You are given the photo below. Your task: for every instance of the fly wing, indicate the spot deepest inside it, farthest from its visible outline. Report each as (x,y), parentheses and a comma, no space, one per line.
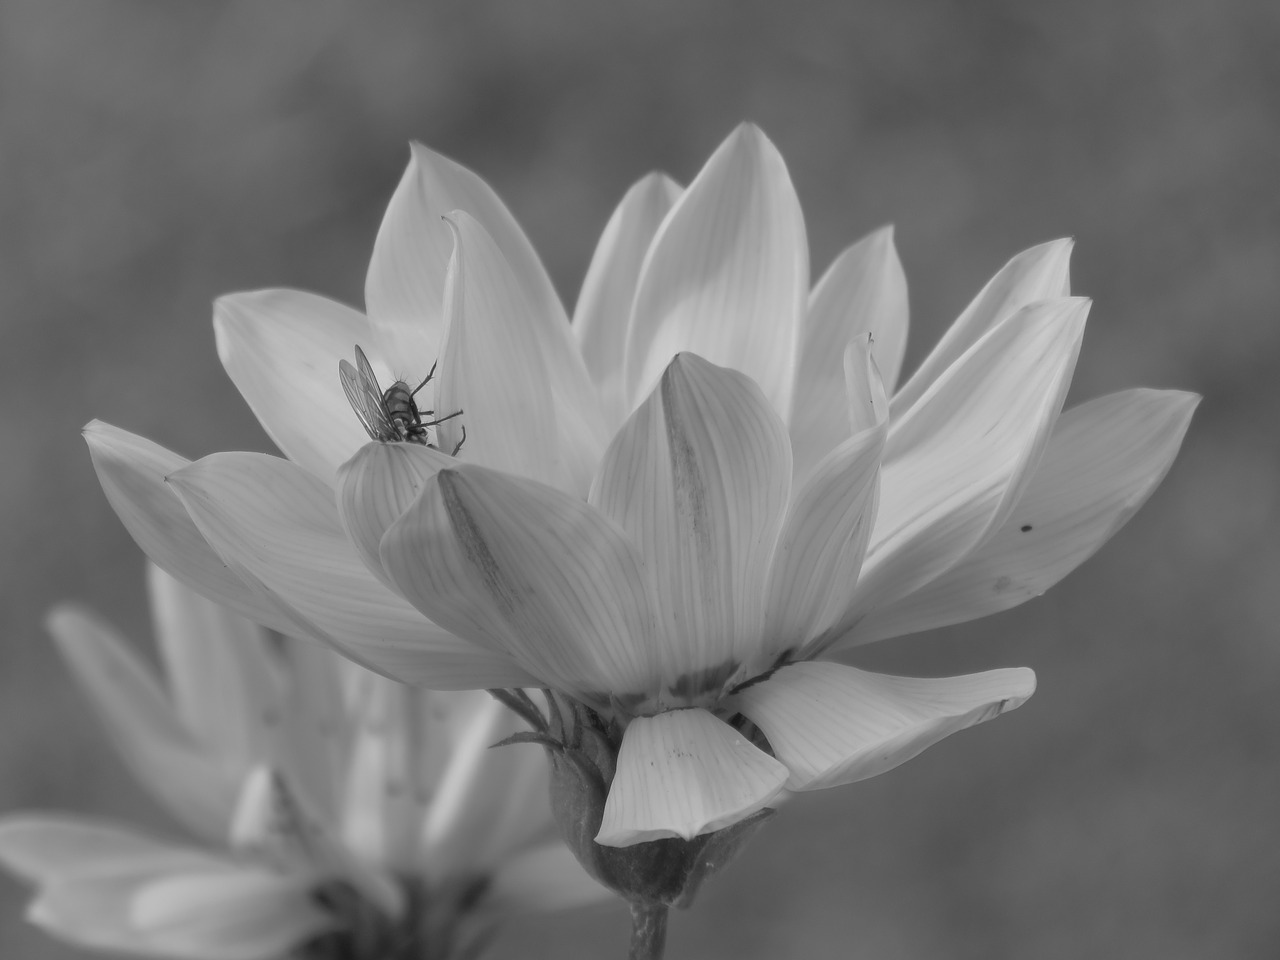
(357,397)
(367,376)
(365,396)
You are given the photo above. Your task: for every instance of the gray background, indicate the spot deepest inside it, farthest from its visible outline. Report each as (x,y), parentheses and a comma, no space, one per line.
(156,154)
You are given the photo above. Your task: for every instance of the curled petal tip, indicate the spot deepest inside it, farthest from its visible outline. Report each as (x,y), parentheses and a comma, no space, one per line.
(457,220)
(98,432)
(1025,687)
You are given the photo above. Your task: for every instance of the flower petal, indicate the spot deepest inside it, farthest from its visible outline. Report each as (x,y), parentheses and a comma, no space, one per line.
(863,293)
(315,734)
(957,461)
(488,803)
(132,470)
(682,774)
(404,290)
(525,568)
(405,294)
(277,523)
(383,799)
(42,847)
(281,349)
(545,878)
(243,913)
(833,724)
(1104,459)
(828,525)
(92,909)
(604,304)
(402,739)
(225,684)
(92,913)
(379,484)
(699,477)
(491,367)
(195,785)
(1039,273)
(727,275)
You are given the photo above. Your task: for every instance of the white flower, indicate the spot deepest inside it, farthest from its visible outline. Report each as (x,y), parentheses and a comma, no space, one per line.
(309,787)
(676,509)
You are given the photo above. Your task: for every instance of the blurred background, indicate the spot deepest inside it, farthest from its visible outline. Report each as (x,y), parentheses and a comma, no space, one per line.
(156,154)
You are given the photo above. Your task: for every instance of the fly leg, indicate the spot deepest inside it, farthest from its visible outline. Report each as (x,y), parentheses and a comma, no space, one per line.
(430,373)
(438,420)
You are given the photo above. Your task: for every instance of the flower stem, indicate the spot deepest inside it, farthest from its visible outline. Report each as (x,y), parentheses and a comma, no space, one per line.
(648,931)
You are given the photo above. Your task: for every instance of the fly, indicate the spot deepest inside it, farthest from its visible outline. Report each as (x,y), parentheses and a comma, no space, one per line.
(391,415)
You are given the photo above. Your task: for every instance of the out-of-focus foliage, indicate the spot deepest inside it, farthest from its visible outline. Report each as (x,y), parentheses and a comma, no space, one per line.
(156,153)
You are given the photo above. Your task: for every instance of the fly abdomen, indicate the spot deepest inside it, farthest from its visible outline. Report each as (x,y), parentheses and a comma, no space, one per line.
(399,403)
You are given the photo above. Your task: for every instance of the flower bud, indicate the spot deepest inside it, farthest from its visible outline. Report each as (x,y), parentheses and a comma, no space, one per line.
(667,871)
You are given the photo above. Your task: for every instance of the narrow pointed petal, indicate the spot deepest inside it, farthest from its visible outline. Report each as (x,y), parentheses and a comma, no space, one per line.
(682,774)
(727,275)
(829,524)
(391,772)
(281,349)
(242,913)
(863,294)
(404,290)
(699,477)
(225,684)
(482,811)
(833,724)
(267,824)
(492,367)
(132,470)
(198,789)
(277,523)
(1104,459)
(958,461)
(1040,273)
(522,567)
(545,878)
(376,486)
(604,304)
(366,824)
(41,847)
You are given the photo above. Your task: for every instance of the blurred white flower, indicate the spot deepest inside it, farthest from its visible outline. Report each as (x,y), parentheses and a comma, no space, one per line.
(676,508)
(324,802)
